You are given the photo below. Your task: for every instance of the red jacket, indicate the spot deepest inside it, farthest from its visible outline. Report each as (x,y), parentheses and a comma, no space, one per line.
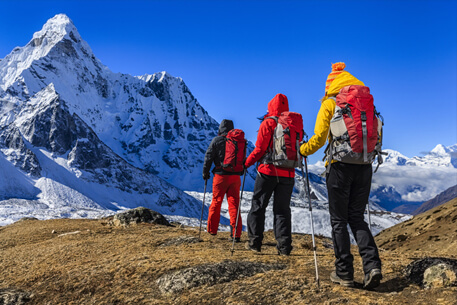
(276,106)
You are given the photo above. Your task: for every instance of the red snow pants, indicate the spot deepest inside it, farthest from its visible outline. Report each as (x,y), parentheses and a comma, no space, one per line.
(222,185)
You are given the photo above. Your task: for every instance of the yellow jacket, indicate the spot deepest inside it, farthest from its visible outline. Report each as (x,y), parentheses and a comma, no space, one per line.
(325,114)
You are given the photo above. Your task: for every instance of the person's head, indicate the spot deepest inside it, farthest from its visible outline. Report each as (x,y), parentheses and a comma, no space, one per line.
(338,79)
(225,127)
(337,68)
(278,105)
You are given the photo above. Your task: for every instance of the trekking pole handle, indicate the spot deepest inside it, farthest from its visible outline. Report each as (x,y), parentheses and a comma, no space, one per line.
(308,190)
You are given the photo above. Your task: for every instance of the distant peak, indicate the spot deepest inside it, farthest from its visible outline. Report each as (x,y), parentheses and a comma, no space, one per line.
(54,30)
(59,19)
(440,149)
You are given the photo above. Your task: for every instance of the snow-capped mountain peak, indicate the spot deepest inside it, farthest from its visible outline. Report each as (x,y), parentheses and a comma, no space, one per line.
(55,42)
(55,30)
(395,157)
(440,149)
(152,121)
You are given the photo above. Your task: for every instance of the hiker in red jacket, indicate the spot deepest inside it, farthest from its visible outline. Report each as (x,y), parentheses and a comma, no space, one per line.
(270,179)
(224,183)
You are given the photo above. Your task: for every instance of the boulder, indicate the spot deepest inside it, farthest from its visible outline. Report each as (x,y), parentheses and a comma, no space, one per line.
(9,296)
(211,274)
(139,215)
(432,272)
(441,275)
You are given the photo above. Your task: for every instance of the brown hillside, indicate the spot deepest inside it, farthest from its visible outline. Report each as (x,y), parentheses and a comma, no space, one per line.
(433,233)
(100,264)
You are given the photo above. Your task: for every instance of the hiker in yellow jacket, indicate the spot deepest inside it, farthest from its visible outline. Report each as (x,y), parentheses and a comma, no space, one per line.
(348,187)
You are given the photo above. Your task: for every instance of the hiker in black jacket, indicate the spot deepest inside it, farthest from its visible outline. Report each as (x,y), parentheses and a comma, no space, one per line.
(224,182)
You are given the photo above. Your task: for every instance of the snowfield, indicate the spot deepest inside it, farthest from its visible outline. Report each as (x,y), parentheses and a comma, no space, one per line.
(301,222)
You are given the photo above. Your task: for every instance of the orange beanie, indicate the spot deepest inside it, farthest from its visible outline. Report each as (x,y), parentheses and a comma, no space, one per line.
(337,68)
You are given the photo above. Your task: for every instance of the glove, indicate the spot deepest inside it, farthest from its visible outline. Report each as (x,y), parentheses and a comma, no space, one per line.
(301,144)
(206,176)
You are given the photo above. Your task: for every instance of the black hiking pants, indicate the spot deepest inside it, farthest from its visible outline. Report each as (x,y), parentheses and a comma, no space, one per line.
(348,188)
(264,187)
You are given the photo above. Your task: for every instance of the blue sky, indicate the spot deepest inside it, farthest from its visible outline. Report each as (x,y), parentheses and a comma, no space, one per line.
(236,55)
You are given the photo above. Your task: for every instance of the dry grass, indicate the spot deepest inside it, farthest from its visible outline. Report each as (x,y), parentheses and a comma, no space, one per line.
(115,265)
(433,233)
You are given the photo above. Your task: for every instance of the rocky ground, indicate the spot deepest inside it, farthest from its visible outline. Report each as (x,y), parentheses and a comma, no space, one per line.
(69,261)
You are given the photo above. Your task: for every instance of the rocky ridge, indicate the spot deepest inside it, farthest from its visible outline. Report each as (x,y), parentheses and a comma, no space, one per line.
(441,198)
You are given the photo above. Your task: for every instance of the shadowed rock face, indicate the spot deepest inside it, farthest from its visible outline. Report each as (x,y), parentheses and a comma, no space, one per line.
(225,271)
(139,215)
(428,271)
(19,155)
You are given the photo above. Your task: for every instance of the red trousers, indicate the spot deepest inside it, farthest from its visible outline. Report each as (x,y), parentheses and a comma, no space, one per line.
(230,185)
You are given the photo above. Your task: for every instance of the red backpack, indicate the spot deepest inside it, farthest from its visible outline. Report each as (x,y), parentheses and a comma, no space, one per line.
(235,151)
(355,128)
(287,136)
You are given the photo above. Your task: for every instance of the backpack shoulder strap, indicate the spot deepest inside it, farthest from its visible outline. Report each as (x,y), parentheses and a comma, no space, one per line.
(272,117)
(267,156)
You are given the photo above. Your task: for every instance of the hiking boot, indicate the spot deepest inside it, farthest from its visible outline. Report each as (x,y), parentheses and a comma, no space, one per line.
(336,279)
(252,248)
(372,279)
(284,252)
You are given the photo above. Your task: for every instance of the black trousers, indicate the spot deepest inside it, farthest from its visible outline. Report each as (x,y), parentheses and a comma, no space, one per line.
(264,188)
(348,188)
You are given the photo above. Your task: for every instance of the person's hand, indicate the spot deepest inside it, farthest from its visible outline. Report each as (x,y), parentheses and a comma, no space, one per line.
(245,167)
(299,148)
(206,176)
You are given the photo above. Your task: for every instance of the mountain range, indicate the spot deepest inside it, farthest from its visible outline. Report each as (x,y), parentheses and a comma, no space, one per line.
(402,184)
(78,140)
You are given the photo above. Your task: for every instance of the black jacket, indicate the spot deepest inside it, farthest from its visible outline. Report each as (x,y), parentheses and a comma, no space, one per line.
(216,151)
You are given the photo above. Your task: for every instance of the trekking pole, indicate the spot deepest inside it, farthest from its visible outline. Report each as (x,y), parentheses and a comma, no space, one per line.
(201,217)
(238,213)
(311,215)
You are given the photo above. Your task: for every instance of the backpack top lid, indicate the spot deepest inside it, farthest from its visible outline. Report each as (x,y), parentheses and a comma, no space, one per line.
(236,134)
(357,96)
(355,90)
